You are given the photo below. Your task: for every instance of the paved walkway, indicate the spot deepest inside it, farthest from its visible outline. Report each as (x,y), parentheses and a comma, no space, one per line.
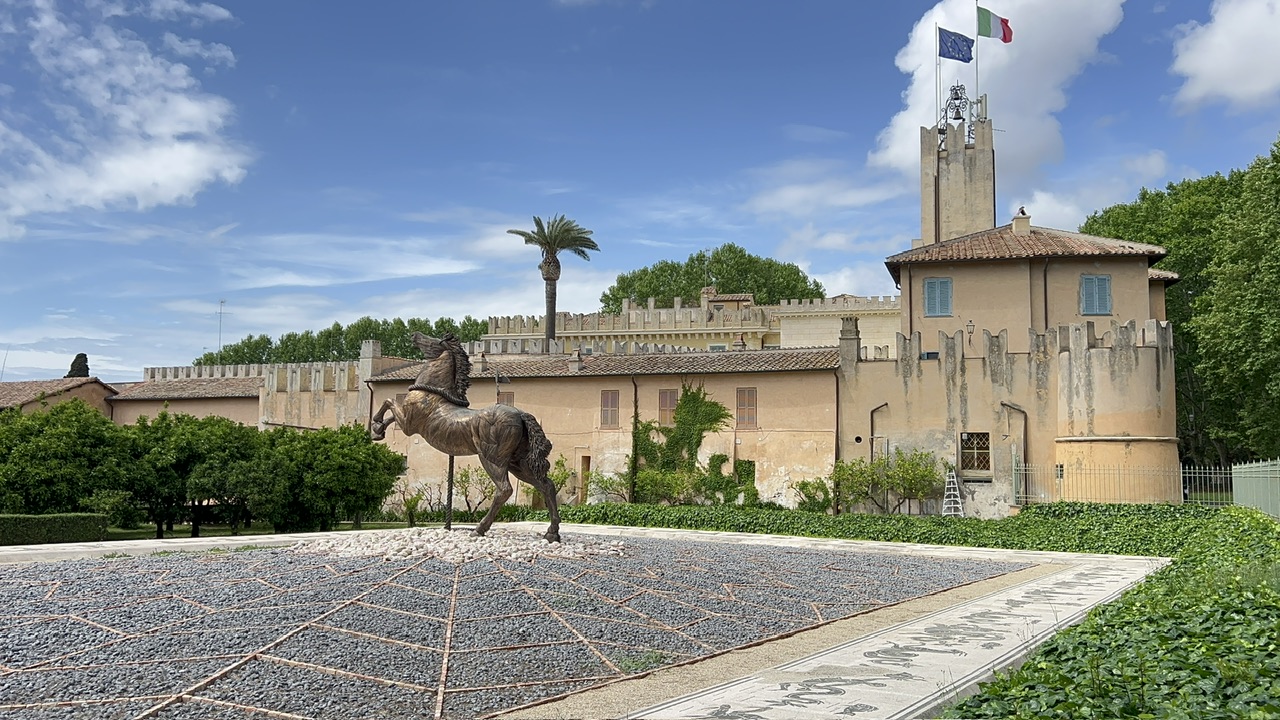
(903,661)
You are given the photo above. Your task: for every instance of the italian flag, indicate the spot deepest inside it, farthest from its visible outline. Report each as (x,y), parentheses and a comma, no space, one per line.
(992,25)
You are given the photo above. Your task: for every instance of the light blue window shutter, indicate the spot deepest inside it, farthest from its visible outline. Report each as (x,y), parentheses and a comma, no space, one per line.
(931,296)
(1104,294)
(1088,295)
(944,296)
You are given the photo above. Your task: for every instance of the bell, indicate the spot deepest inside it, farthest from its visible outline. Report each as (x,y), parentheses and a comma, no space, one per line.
(955,113)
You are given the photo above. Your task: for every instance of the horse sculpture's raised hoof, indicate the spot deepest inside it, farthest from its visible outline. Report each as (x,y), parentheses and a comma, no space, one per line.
(552,537)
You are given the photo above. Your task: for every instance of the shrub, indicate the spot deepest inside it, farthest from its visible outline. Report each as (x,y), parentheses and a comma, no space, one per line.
(59,528)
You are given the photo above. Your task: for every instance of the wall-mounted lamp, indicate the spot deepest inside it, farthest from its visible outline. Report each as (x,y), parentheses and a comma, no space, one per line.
(969,329)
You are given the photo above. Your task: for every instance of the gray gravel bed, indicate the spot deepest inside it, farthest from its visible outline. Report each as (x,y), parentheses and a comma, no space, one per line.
(426,582)
(389,624)
(142,616)
(494,604)
(237,641)
(105,682)
(96,711)
(195,710)
(473,703)
(522,630)
(588,604)
(641,636)
(49,639)
(776,592)
(479,668)
(666,610)
(363,656)
(414,601)
(270,616)
(272,686)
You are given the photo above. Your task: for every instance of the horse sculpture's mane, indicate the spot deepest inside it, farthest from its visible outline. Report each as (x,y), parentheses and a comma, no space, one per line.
(461,364)
(457,394)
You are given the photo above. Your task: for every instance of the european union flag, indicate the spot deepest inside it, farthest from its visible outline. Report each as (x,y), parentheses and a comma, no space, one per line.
(954,46)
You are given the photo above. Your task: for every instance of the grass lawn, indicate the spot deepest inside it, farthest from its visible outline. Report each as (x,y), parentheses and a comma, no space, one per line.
(148,532)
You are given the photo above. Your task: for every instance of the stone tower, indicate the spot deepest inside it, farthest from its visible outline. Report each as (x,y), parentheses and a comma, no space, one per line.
(957,171)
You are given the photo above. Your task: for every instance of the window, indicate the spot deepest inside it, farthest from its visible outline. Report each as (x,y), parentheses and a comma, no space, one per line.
(746,408)
(667,406)
(1095,294)
(608,408)
(937,297)
(975,451)
(507,398)
(717,348)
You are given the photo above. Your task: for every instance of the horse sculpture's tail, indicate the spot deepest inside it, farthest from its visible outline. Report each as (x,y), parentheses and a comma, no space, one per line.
(539,446)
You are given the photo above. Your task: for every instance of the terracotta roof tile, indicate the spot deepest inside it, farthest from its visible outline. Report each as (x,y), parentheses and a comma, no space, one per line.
(514,366)
(1002,244)
(1168,276)
(193,388)
(732,297)
(21,392)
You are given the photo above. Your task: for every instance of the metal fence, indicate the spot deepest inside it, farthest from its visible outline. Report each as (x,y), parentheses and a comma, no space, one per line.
(1255,484)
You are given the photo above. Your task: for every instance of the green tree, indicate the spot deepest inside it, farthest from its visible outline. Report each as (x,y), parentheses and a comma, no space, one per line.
(338,342)
(1182,218)
(557,235)
(1236,320)
(317,477)
(729,268)
(79,366)
(228,468)
(168,448)
(54,459)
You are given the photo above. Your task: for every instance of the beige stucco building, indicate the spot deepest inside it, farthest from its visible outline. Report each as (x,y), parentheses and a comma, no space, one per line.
(1024,356)
(31,395)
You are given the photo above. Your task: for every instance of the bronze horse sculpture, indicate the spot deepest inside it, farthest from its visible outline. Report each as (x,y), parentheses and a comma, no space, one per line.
(507,439)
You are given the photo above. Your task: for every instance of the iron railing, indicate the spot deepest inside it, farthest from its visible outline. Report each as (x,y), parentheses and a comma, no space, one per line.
(1252,484)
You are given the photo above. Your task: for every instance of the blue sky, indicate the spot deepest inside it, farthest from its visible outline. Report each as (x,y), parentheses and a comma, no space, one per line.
(316,161)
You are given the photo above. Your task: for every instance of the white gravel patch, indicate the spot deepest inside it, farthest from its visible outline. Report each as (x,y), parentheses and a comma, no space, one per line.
(457,546)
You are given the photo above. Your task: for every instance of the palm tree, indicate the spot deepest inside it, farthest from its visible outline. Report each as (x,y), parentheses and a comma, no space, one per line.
(557,234)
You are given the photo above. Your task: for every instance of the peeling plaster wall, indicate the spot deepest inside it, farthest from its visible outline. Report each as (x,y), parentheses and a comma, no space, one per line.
(1044,407)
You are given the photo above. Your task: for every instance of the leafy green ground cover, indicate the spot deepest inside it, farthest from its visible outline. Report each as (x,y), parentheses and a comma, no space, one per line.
(1199,639)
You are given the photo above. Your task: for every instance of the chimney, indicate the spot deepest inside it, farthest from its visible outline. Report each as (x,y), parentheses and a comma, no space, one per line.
(481,364)
(1022,222)
(575,360)
(740,344)
(850,341)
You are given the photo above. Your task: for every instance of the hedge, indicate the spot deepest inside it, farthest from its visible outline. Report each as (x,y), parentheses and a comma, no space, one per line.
(60,528)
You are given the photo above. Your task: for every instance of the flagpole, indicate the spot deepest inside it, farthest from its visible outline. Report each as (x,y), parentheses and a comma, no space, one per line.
(977,87)
(937,74)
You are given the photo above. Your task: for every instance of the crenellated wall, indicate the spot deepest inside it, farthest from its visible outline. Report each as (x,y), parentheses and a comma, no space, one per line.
(1074,399)
(791,323)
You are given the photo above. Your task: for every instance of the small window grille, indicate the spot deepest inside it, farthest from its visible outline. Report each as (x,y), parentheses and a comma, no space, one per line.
(975,451)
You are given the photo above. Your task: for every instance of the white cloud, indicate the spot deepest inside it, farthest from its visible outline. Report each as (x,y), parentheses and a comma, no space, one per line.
(804,187)
(865,278)
(1110,181)
(808,238)
(1234,58)
(216,53)
(197,11)
(1026,80)
(320,260)
(129,129)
